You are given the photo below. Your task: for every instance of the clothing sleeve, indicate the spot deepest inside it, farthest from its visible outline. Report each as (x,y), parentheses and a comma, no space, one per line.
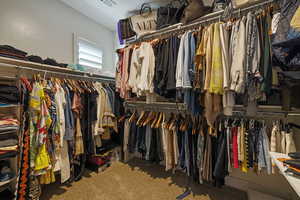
(208,56)
(225,56)
(132,76)
(185,75)
(146,55)
(237,68)
(63,97)
(192,69)
(257,54)
(151,69)
(179,64)
(142,80)
(198,52)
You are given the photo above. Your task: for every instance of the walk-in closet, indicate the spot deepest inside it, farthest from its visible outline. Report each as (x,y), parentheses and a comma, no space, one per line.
(151,100)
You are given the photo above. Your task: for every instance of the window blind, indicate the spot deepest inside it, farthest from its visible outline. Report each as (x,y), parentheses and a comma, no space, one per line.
(89,55)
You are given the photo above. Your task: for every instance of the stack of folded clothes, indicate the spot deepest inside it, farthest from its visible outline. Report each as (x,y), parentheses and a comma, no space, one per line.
(36,59)
(8,137)
(9,94)
(50,61)
(5,171)
(293,164)
(47,61)
(12,52)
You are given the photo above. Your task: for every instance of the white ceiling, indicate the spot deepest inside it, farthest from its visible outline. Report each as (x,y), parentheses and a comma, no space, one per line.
(109,16)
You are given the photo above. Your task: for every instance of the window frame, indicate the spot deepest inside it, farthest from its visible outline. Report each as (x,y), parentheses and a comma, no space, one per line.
(76,40)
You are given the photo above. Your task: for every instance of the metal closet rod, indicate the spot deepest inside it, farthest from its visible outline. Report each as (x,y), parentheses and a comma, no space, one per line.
(100,78)
(156,106)
(202,20)
(273,114)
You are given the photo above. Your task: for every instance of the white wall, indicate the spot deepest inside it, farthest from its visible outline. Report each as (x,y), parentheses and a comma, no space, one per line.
(46,27)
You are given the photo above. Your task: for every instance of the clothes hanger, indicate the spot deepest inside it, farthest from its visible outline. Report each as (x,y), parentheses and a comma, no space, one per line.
(168,121)
(87,86)
(77,85)
(159,121)
(69,84)
(187,122)
(133,117)
(171,122)
(172,125)
(149,118)
(122,118)
(87,89)
(73,84)
(196,125)
(140,120)
(181,124)
(145,118)
(140,117)
(155,120)
(93,87)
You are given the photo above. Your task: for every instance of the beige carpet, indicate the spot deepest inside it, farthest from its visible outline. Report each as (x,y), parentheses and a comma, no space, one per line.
(136,180)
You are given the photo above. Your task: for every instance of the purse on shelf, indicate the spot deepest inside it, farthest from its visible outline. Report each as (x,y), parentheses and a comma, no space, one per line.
(145,22)
(125,29)
(194,10)
(170,14)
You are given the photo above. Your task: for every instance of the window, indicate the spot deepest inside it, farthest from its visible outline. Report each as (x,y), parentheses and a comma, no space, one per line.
(88,55)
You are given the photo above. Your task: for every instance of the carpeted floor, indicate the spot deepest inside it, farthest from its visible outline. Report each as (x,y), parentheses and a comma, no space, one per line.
(137,180)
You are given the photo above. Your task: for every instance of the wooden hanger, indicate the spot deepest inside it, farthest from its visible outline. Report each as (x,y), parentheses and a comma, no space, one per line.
(173,123)
(155,120)
(144,118)
(182,124)
(159,121)
(133,117)
(154,42)
(83,86)
(77,85)
(67,83)
(149,118)
(167,122)
(140,119)
(185,123)
(122,118)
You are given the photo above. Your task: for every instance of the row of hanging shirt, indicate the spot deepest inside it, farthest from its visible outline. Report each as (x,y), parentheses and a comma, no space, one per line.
(67,119)
(189,144)
(281,140)
(205,68)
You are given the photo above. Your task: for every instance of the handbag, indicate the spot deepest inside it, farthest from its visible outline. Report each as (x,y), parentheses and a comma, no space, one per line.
(169,14)
(145,22)
(194,10)
(125,29)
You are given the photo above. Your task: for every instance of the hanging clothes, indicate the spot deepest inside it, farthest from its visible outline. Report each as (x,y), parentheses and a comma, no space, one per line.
(216,77)
(142,70)
(239,53)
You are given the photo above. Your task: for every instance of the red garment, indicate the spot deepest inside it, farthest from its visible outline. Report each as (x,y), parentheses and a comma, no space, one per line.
(235,151)
(26,83)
